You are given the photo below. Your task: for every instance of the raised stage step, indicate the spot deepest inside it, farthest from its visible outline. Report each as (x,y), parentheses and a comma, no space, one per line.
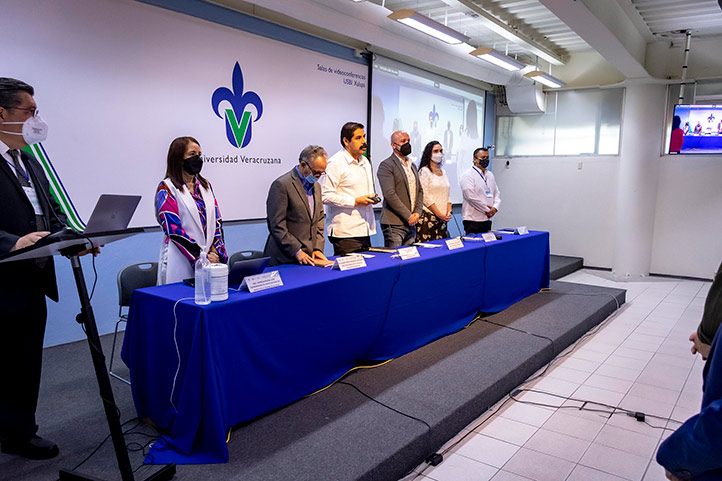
(560,266)
(337,434)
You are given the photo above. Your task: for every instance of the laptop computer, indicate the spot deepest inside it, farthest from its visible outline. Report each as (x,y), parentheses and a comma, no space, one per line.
(112,212)
(250,267)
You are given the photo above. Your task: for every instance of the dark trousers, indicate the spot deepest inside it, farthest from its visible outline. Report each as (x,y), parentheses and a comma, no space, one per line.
(21,356)
(474,227)
(349,245)
(398,235)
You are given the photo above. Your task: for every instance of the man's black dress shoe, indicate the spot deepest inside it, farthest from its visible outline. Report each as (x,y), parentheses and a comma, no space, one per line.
(33,448)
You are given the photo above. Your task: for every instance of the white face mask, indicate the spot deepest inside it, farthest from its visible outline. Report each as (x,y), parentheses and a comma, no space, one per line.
(35,130)
(437,157)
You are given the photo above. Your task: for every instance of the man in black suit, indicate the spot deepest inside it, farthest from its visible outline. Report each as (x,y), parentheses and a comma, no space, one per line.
(403,195)
(28,213)
(294,212)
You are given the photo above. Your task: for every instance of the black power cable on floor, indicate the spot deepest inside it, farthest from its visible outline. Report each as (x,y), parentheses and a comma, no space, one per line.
(100,445)
(428,426)
(612,410)
(561,355)
(432,460)
(127,432)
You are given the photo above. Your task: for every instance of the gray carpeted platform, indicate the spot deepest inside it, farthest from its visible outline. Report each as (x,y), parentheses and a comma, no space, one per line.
(560,266)
(338,434)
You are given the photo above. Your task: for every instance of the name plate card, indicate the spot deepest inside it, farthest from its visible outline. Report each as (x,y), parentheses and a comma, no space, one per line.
(454,243)
(408,252)
(521,230)
(349,262)
(261,282)
(488,236)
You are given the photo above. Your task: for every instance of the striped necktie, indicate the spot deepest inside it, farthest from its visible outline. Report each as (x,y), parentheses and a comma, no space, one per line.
(24,179)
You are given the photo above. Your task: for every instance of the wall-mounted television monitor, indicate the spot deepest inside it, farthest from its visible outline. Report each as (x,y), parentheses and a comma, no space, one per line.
(698,130)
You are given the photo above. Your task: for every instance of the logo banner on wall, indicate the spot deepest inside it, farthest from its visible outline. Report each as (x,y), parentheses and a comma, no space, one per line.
(57,189)
(117,100)
(238,134)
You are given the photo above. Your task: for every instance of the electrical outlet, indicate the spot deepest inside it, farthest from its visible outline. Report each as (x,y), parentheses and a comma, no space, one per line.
(580,164)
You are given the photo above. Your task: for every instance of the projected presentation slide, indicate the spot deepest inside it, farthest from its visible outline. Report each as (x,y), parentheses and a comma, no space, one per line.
(428,107)
(702,128)
(115,94)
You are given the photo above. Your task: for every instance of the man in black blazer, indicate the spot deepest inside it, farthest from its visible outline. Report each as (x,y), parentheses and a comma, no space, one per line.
(294,212)
(403,195)
(27,214)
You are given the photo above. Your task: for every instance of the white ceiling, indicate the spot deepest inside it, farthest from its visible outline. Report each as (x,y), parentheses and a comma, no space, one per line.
(653,18)
(580,39)
(528,17)
(702,17)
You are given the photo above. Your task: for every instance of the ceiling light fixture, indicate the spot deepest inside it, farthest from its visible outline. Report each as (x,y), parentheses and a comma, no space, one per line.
(545,78)
(497,58)
(428,26)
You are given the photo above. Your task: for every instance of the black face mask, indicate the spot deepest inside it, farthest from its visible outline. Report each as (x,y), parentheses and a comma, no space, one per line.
(405,149)
(193,165)
(484,163)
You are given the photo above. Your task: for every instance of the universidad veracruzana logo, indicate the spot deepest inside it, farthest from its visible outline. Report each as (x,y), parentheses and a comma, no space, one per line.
(238,119)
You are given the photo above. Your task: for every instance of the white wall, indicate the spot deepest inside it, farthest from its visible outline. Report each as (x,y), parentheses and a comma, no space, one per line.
(106,70)
(577,207)
(688,216)
(584,69)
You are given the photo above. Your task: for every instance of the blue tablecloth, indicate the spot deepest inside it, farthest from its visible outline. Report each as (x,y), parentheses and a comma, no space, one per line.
(231,361)
(703,142)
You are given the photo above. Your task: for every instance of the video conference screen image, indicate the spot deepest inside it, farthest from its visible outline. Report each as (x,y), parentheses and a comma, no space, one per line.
(428,108)
(697,129)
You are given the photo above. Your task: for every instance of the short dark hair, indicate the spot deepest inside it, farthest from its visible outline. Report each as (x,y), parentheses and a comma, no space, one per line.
(348,129)
(480,148)
(10,89)
(676,121)
(174,166)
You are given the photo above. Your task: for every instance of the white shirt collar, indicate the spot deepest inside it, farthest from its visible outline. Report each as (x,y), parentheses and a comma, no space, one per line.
(3,148)
(403,162)
(350,158)
(4,152)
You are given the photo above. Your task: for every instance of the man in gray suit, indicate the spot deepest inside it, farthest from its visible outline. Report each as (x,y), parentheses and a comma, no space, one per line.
(294,212)
(403,196)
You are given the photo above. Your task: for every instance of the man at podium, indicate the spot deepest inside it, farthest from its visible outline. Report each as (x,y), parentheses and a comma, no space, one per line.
(28,213)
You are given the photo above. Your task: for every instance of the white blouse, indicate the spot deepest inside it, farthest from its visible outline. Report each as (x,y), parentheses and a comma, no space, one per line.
(436,189)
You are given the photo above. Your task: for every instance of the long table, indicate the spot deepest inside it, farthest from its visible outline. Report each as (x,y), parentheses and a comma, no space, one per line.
(197,371)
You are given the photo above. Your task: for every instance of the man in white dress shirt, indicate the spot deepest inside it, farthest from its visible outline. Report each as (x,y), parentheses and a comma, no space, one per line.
(349,194)
(481,195)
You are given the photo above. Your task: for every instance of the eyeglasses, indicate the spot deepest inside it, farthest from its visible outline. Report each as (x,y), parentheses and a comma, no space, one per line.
(33,112)
(318,175)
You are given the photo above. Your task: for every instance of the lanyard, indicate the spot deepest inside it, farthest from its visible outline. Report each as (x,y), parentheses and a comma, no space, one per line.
(25,175)
(482,177)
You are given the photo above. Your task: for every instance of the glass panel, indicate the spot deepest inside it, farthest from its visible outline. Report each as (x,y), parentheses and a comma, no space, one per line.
(588,122)
(527,134)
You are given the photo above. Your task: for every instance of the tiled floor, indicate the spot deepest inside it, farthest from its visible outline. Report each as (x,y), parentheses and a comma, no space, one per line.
(639,359)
